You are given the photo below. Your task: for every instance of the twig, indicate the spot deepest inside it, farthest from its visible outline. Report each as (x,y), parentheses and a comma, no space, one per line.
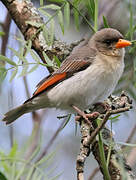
(95,171)
(86,20)
(6,28)
(46,148)
(120,104)
(24,11)
(108,114)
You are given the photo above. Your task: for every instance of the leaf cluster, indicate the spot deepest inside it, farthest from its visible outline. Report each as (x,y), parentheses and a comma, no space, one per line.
(14,165)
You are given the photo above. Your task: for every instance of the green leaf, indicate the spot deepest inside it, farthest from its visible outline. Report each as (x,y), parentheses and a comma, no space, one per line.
(28,46)
(33,23)
(33,68)
(44,12)
(92,8)
(29,175)
(47,59)
(14,72)
(2,68)
(131,21)
(2,75)
(60,19)
(41,2)
(57,61)
(46,34)
(76,19)
(126,144)
(52,6)
(114,118)
(105,22)
(51,30)
(67,13)
(34,56)
(20,172)
(24,70)
(58,1)
(45,159)
(4,58)
(2,33)
(2,176)
(19,55)
(66,122)
(13,150)
(16,53)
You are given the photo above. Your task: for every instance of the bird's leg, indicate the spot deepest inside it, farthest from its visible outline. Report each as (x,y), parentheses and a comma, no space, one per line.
(93,115)
(81,113)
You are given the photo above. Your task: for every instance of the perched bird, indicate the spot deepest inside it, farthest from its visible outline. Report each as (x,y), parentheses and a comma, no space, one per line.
(89,75)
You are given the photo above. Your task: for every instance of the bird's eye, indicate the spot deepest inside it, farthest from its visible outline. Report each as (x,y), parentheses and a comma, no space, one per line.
(108,41)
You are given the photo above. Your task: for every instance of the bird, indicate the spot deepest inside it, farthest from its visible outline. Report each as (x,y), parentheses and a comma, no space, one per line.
(87,76)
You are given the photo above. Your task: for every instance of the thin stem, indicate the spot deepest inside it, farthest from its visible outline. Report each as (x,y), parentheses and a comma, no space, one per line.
(96,16)
(95,171)
(55,135)
(103,159)
(110,147)
(86,20)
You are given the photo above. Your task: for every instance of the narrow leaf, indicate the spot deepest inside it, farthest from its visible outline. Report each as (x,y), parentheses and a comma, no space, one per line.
(48,61)
(45,159)
(14,72)
(3,75)
(105,22)
(44,12)
(51,32)
(4,58)
(41,2)
(58,1)
(126,144)
(33,68)
(29,176)
(33,23)
(2,176)
(52,6)
(57,61)
(2,68)
(60,19)
(24,70)
(34,56)
(2,33)
(19,55)
(67,14)
(46,34)
(76,19)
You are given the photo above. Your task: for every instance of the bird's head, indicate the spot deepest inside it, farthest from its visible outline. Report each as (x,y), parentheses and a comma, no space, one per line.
(109,41)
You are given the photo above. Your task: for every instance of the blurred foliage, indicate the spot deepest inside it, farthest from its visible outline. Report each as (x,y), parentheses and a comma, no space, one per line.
(13,165)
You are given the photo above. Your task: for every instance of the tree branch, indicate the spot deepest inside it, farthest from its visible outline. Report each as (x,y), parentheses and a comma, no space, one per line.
(88,134)
(24,11)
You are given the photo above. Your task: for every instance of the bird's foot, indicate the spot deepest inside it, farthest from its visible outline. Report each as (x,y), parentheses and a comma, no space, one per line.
(90,116)
(87,117)
(102,106)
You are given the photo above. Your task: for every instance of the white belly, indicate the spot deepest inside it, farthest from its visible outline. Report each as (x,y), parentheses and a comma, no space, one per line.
(85,88)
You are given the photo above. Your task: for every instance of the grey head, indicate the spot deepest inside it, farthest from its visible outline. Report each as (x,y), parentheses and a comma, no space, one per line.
(105,42)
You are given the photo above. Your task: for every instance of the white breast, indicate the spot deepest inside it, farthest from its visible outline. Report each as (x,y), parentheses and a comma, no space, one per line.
(87,87)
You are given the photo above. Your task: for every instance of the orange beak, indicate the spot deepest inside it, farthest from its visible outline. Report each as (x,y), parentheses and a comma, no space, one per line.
(122,43)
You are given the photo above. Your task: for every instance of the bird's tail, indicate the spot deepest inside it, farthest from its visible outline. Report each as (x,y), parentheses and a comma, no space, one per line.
(12,115)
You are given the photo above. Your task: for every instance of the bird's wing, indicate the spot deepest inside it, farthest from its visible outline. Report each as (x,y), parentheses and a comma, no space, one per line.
(73,64)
